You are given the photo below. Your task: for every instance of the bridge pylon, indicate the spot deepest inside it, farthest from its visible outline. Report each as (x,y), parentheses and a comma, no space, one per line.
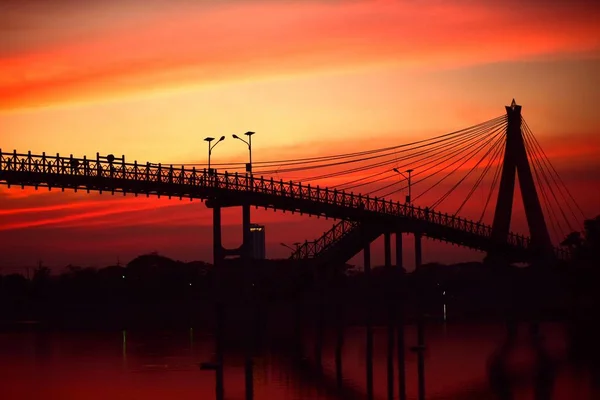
(516,162)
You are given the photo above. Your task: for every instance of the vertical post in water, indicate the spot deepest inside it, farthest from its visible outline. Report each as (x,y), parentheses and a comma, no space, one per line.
(401,351)
(219,332)
(420,348)
(369,345)
(298,347)
(339,343)
(319,331)
(250,332)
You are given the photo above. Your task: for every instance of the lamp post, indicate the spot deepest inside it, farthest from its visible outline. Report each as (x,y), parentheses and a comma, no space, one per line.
(249,144)
(408,171)
(210,147)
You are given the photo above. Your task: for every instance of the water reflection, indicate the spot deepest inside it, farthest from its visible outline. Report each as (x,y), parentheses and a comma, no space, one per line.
(158,365)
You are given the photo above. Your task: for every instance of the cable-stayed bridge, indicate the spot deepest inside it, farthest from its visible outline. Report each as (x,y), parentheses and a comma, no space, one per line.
(496,150)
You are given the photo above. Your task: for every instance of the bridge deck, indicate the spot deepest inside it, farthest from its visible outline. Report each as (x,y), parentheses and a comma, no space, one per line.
(104,175)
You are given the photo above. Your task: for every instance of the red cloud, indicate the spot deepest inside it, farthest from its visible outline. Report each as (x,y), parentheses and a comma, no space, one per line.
(249,40)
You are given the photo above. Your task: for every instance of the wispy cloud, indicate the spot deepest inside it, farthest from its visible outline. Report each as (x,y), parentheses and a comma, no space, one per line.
(196,44)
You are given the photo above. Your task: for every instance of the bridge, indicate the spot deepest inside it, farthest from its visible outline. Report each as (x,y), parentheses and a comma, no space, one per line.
(505,142)
(361,218)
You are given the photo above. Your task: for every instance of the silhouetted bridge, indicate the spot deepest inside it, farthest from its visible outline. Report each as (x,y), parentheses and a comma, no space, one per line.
(103,175)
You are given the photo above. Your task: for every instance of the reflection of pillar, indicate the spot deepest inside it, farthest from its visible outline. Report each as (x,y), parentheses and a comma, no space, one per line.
(246,236)
(320,328)
(219,381)
(387,249)
(401,353)
(390,346)
(339,344)
(250,319)
(369,344)
(421,355)
(217,244)
(418,253)
(399,263)
(420,348)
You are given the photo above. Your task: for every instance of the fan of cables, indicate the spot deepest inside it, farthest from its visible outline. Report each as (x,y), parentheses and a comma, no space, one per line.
(450,166)
(559,205)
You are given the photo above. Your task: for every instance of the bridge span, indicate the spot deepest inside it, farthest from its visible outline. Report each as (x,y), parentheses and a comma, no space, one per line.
(105,174)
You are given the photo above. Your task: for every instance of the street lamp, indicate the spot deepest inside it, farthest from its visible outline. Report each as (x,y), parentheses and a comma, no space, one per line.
(210,147)
(249,143)
(408,198)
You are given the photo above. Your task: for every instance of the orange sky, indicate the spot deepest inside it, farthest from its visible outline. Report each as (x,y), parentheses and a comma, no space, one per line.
(150,79)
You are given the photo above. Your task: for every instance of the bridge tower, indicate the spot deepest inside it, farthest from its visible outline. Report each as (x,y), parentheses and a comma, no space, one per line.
(516,162)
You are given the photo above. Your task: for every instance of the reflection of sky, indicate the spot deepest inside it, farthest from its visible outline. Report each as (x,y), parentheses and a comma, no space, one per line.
(93,365)
(151,79)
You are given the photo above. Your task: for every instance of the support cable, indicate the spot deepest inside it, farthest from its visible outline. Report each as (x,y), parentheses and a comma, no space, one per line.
(538,168)
(438,161)
(472,154)
(550,168)
(497,150)
(390,151)
(493,185)
(428,156)
(457,184)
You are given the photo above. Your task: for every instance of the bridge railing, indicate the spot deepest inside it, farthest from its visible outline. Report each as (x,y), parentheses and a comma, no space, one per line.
(310,249)
(118,169)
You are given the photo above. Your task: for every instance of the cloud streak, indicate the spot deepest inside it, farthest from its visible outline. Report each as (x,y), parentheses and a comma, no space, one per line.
(196,44)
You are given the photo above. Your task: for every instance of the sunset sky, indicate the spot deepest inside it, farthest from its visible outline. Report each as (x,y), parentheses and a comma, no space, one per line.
(150,79)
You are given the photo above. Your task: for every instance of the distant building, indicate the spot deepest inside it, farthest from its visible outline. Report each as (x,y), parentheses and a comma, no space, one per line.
(257,237)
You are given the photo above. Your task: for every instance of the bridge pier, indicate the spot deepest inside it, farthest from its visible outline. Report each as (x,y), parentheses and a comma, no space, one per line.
(418,251)
(244,251)
(387,249)
(399,257)
(218,255)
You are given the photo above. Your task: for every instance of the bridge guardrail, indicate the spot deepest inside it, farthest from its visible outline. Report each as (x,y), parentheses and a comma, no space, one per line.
(309,249)
(106,167)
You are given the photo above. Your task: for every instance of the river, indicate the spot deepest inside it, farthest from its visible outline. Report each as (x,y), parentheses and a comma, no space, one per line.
(78,365)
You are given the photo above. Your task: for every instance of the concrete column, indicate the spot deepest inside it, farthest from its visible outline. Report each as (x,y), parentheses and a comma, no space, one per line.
(387,249)
(217,244)
(246,237)
(399,257)
(367,257)
(418,251)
